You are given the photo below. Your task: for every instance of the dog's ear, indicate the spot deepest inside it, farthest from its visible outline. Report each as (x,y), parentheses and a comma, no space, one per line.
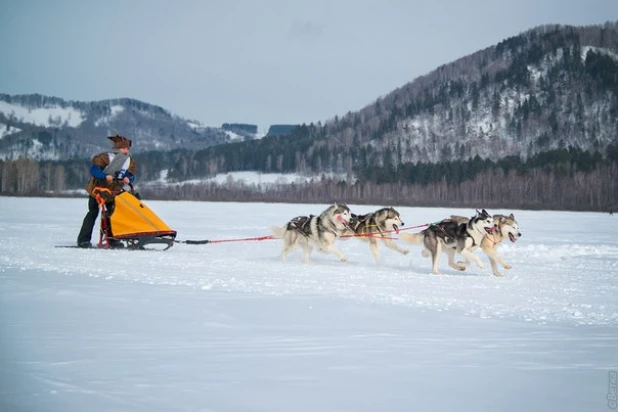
(512,216)
(485,212)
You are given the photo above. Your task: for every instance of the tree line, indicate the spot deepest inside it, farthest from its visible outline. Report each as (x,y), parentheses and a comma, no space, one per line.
(568,179)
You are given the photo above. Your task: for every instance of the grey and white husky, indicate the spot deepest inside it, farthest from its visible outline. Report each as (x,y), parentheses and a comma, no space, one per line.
(506,227)
(315,231)
(451,236)
(378,225)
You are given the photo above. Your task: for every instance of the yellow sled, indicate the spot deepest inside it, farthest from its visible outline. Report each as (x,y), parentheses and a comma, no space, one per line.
(129,222)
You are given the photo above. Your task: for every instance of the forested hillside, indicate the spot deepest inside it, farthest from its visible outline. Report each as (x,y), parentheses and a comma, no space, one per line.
(529,122)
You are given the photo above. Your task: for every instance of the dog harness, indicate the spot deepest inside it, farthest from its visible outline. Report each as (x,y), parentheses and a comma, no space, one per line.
(301,224)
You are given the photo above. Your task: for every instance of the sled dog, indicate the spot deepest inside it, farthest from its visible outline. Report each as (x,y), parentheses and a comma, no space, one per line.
(506,227)
(315,231)
(375,226)
(453,237)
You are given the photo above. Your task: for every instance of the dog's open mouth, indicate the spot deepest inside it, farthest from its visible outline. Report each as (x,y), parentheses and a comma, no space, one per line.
(343,221)
(396,228)
(512,237)
(490,229)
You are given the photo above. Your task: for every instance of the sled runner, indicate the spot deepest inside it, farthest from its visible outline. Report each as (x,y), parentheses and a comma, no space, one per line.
(129,223)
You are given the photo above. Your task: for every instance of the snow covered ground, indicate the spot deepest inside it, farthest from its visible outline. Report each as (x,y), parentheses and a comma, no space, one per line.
(250,178)
(229,327)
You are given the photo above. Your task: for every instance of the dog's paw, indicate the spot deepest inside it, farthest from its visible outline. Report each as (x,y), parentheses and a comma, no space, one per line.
(344,259)
(507,266)
(463,263)
(498,275)
(480,265)
(405,251)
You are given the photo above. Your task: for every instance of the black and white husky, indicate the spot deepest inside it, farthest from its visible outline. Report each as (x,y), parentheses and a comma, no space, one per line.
(506,227)
(378,225)
(315,231)
(451,236)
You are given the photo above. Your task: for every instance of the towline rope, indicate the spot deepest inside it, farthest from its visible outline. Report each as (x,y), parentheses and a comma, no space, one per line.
(271,237)
(205,241)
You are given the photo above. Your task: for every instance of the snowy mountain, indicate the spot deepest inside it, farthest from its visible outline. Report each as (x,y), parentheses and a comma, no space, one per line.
(41,127)
(549,88)
(525,121)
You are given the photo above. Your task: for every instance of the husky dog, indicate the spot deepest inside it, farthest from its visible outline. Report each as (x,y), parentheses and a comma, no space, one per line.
(377,226)
(506,227)
(454,237)
(320,231)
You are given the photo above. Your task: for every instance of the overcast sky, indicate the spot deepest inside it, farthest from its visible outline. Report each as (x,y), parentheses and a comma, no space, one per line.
(252,61)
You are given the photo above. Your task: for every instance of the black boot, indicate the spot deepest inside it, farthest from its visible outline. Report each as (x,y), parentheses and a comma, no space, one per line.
(116,244)
(85,233)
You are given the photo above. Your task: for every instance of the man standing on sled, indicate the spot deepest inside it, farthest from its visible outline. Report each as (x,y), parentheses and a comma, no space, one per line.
(110,170)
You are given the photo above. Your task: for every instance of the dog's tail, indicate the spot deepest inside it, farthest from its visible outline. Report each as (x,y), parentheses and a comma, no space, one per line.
(278,231)
(413,238)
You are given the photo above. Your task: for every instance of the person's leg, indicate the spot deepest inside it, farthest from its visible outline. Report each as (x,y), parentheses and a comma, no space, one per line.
(114,244)
(85,234)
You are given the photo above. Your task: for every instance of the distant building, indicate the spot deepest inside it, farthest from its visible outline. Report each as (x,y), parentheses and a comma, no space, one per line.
(240,128)
(281,129)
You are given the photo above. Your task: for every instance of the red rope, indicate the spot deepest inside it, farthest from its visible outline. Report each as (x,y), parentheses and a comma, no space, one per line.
(246,239)
(206,241)
(379,235)
(271,237)
(414,227)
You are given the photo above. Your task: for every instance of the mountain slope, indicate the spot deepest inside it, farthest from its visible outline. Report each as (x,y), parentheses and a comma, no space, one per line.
(548,88)
(545,89)
(41,127)
(529,122)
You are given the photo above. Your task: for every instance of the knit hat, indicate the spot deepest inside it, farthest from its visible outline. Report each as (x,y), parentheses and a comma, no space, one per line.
(120,141)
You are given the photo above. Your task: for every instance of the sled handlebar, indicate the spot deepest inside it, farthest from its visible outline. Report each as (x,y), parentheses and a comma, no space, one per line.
(117,180)
(131,188)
